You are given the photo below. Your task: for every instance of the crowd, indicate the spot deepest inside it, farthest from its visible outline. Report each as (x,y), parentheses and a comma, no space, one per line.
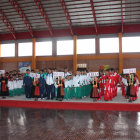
(78,86)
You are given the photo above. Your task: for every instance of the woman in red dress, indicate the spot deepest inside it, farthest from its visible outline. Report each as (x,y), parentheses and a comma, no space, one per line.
(107,90)
(36,91)
(4,86)
(95,93)
(133,94)
(60,89)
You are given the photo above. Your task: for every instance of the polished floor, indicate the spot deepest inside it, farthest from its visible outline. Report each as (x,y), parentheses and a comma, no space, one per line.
(43,124)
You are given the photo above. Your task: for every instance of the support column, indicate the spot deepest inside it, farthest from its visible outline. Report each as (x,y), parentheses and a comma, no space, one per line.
(16,53)
(75,54)
(97,46)
(34,54)
(54,48)
(120,54)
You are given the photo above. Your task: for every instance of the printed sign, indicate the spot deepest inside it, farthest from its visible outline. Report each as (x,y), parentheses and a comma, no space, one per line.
(57,74)
(92,74)
(2,71)
(35,75)
(23,66)
(128,71)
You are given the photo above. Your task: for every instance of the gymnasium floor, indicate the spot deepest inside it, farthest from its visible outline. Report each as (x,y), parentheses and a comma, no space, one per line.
(43,124)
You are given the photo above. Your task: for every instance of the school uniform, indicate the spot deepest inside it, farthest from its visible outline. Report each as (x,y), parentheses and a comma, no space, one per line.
(77,86)
(66,90)
(66,74)
(71,91)
(11,88)
(21,89)
(50,86)
(42,86)
(27,81)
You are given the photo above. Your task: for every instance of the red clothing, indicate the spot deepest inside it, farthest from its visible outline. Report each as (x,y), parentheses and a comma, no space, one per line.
(37,92)
(95,93)
(103,84)
(107,92)
(4,88)
(62,91)
(36,85)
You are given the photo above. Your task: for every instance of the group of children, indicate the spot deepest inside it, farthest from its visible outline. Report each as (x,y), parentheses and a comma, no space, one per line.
(78,86)
(11,84)
(130,86)
(105,85)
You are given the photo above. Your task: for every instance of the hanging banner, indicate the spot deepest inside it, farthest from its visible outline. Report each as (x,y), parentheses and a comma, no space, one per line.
(128,71)
(23,66)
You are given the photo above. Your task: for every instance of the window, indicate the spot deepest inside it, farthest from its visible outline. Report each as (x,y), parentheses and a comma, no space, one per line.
(109,45)
(65,47)
(7,50)
(85,46)
(43,48)
(131,44)
(25,49)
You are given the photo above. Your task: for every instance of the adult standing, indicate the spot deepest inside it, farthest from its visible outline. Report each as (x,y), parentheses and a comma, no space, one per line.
(50,84)
(27,82)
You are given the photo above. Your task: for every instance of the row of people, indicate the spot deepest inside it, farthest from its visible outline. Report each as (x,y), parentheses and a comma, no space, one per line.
(70,86)
(77,86)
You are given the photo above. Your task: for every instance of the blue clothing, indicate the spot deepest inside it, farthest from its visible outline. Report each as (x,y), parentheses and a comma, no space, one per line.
(44,75)
(42,87)
(27,81)
(26,75)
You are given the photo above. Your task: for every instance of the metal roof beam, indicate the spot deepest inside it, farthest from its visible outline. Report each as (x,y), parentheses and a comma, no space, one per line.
(67,15)
(94,16)
(7,23)
(44,15)
(122,13)
(20,12)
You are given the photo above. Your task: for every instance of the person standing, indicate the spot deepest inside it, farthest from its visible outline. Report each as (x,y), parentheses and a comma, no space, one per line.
(42,85)
(50,84)
(27,82)
(4,86)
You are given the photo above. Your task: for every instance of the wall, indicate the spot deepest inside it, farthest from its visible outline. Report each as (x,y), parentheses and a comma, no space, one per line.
(93,61)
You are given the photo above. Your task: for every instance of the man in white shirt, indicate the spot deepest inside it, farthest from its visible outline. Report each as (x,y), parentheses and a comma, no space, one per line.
(50,85)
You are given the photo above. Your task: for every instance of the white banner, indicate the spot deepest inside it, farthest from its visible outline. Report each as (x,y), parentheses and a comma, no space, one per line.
(57,74)
(2,71)
(93,74)
(128,71)
(35,75)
